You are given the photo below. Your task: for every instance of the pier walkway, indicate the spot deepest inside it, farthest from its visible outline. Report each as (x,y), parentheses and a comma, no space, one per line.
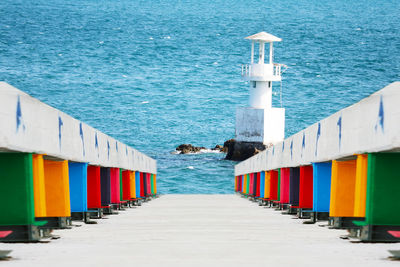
(199,230)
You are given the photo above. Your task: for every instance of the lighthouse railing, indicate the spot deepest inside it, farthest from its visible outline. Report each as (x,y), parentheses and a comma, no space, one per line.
(246,70)
(277,69)
(262,71)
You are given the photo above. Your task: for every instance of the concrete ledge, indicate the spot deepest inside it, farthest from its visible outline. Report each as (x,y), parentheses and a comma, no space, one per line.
(371,125)
(28,125)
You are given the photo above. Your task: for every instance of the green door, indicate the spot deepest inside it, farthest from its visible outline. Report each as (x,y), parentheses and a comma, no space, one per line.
(16,189)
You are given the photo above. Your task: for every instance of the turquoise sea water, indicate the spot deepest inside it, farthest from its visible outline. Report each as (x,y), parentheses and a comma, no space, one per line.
(156,74)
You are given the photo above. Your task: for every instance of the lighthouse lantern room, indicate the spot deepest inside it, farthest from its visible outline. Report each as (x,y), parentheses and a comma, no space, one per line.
(260,122)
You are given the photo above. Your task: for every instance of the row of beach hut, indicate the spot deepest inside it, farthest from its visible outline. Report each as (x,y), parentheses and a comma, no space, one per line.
(360,194)
(343,169)
(55,169)
(43,194)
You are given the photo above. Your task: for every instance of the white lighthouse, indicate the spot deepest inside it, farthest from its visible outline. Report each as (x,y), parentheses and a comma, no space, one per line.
(260,122)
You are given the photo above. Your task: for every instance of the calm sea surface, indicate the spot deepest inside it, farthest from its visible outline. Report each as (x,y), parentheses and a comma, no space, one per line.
(156,74)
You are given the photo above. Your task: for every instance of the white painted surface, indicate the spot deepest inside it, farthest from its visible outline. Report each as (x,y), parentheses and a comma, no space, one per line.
(371,125)
(274,125)
(271,53)
(260,125)
(264,37)
(260,94)
(199,230)
(262,72)
(39,128)
(261,51)
(249,124)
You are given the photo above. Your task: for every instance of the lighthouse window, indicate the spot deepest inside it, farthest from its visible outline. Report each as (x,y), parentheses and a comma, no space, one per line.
(254,84)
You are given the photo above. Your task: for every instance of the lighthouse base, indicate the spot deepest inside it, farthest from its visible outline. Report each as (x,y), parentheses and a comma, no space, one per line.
(257,125)
(239,151)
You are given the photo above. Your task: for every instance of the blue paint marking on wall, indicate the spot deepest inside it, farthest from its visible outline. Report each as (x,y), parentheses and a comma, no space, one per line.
(283,146)
(126,151)
(381,117)
(60,124)
(18,115)
(108,149)
(291,149)
(303,144)
(96,144)
(318,135)
(339,124)
(116,146)
(273,150)
(83,141)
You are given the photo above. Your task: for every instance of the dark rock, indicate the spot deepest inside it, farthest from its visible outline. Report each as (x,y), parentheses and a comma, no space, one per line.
(239,151)
(218,148)
(189,148)
(229,144)
(235,150)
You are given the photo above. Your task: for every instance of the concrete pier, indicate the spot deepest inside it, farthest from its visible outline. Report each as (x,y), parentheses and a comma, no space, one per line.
(199,230)
(352,160)
(54,167)
(31,126)
(371,125)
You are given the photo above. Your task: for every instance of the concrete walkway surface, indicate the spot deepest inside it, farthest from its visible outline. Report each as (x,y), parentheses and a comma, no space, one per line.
(199,230)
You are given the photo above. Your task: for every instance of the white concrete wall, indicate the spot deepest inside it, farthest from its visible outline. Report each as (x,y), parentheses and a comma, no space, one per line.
(274,125)
(260,125)
(371,125)
(260,94)
(249,125)
(28,125)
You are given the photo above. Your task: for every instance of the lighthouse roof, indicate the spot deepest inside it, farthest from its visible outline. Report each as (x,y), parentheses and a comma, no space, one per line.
(264,37)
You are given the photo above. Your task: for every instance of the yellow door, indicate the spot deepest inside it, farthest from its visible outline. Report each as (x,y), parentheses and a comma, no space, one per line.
(39,189)
(133,184)
(361,186)
(57,188)
(343,188)
(267,185)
